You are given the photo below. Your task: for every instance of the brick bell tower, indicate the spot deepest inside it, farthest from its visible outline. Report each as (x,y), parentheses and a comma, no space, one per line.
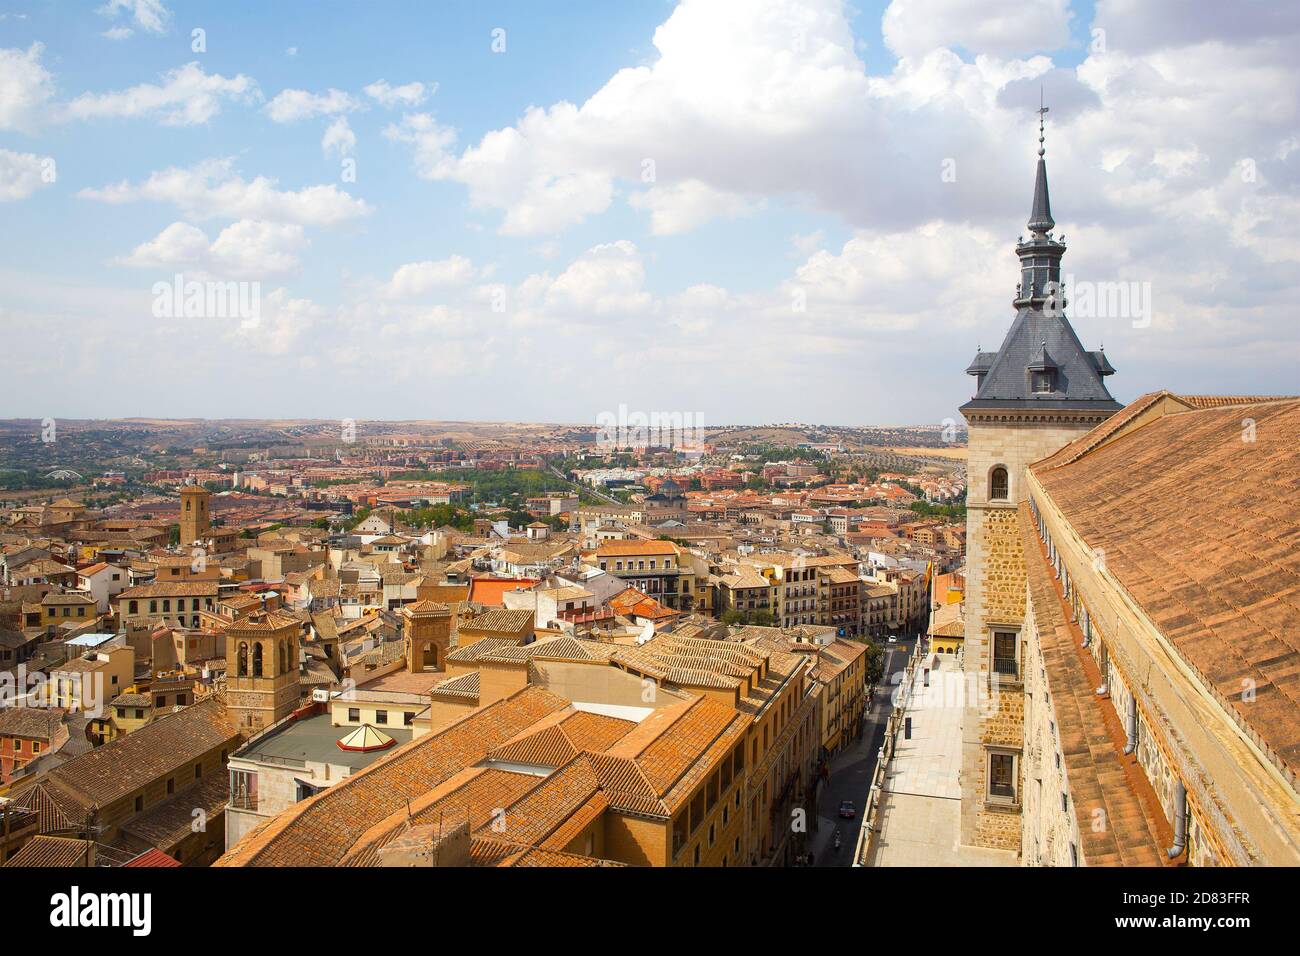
(1037,393)
(195,521)
(262,678)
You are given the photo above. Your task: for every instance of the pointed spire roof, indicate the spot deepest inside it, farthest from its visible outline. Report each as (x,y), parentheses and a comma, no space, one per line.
(1041,338)
(1040,217)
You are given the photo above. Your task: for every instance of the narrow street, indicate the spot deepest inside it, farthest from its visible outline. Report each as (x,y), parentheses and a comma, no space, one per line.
(852,767)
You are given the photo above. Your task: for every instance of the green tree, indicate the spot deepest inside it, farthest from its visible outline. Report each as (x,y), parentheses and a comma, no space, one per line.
(875,662)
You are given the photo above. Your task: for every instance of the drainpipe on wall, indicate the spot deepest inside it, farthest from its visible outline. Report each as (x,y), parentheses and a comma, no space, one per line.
(1103,662)
(1180,821)
(1131,727)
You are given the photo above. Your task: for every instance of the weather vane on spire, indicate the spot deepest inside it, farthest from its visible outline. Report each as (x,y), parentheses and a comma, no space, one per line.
(1042,113)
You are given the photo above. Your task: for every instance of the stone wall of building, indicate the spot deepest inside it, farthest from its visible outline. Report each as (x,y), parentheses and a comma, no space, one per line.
(1049,828)
(995,595)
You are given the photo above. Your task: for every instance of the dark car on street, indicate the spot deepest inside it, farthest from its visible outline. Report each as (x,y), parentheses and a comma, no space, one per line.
(847,810)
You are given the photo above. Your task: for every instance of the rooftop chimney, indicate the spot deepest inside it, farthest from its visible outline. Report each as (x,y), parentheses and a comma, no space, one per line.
(440,844)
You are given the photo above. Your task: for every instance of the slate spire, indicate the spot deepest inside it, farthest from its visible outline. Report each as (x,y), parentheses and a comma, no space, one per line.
(1041,364)
(1040,219)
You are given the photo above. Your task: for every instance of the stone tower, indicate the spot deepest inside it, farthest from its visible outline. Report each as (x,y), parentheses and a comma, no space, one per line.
(262,682)
(195,523)
(1038,392)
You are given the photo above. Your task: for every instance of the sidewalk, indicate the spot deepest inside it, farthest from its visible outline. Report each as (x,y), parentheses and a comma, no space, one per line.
(919,822)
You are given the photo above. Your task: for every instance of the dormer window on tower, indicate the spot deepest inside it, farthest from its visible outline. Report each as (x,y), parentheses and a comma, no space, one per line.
(1042,372)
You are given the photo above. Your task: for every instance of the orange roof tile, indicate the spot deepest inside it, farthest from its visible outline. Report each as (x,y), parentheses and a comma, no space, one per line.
(1195,516)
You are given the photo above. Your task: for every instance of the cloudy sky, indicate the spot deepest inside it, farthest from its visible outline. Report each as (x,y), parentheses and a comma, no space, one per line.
(750,210)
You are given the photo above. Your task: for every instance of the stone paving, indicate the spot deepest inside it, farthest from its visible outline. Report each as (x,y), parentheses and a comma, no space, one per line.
(919,820)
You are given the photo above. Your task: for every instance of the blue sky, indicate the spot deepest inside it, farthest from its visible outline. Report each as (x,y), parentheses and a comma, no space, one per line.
(797,147)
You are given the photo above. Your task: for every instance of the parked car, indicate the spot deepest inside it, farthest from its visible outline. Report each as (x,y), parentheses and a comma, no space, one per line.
(847,810)
(893,640)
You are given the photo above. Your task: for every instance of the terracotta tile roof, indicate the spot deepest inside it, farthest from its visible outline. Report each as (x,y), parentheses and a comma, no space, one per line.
(36,723)
(668,746)
(614,549)
(171,589)
(633,603)
(259,621)
(462,685)
(321,830)
(556,745)
(577,821)
(168,745)
(1092,741)
(474,794)
(554,649)
(1199,526)
(167,824)
(132,700)
(548,747)
(68,597)
(473,652)
(1222,401)
(545,808)
(501,620)
(839,575)
(323,587)
(1107,429)
(50,851)
(501,853)
(154,858)
(747,576)
(427,607)
(625,785)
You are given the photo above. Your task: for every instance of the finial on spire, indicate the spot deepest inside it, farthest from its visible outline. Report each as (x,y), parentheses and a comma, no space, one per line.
(1042,114)
(1040,219)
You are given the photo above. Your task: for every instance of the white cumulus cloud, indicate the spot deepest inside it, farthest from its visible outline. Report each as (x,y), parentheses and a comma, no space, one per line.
(150,15)
(339,140)
(212,189)
(245,249)
(21,174)
(915,27)
(417,278)
(680,207)
(407,95)
(185,96)
(25,88)
(290,106)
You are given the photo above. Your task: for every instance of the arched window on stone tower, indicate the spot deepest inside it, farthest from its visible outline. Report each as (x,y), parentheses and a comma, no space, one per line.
(998,484)
(257,659)
(241,669)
